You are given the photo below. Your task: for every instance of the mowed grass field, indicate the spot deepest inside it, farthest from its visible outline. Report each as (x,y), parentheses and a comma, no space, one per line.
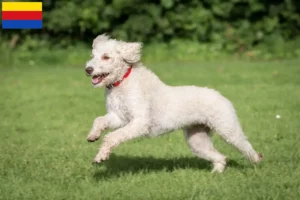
(46,113)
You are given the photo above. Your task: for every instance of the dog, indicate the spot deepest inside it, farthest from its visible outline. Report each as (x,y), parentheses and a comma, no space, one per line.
(139,104)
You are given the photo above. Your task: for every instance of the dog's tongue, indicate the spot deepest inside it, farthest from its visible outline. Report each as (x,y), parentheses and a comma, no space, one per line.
(96,80)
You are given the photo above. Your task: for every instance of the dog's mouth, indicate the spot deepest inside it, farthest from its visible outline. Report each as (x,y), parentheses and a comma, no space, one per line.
(99,78)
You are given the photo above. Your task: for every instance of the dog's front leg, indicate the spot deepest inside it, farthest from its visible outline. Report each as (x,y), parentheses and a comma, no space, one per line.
(109,120)
(132,130)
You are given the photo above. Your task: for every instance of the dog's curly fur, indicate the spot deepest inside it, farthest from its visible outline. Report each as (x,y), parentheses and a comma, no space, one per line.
(142,105)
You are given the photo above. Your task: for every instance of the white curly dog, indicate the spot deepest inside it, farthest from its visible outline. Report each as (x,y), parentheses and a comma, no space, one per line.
(138,104)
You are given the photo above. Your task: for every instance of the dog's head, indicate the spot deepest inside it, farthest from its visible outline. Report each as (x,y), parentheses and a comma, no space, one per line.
(111,59)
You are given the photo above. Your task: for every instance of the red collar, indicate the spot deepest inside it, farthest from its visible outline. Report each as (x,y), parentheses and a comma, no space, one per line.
(116,84)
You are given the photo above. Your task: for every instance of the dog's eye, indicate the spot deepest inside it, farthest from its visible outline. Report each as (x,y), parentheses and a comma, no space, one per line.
(105,57)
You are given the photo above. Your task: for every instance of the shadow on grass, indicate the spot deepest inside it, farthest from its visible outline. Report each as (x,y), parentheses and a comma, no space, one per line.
(120,165)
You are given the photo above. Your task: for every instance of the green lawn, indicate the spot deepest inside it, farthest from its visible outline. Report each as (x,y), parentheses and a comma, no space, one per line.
(46,113)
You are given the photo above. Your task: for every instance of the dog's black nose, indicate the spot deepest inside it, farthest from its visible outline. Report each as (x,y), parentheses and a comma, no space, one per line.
(89,70)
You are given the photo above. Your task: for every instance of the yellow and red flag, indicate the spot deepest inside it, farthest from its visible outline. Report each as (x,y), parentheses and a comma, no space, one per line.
(22,15)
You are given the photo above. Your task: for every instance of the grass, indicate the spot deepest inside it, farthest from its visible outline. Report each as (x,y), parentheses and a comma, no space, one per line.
(47,111)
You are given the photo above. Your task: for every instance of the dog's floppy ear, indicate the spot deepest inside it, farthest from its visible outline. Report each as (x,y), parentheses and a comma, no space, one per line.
(130,51)
(100,38)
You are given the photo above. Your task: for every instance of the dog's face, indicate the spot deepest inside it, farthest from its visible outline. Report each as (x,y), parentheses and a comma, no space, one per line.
(111,59)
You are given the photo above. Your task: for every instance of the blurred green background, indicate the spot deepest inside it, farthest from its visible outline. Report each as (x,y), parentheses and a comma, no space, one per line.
(191,29)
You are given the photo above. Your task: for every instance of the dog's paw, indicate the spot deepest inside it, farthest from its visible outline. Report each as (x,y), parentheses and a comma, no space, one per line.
(260,157)
(102,156)
(99,160)
(95,162)
(256,158)
(92,137)
(219,167)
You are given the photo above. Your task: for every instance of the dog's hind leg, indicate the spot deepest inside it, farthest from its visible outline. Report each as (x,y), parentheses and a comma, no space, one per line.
(200,143)
(231,132)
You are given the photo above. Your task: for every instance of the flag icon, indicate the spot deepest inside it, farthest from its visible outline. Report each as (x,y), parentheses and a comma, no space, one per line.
(22,15)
